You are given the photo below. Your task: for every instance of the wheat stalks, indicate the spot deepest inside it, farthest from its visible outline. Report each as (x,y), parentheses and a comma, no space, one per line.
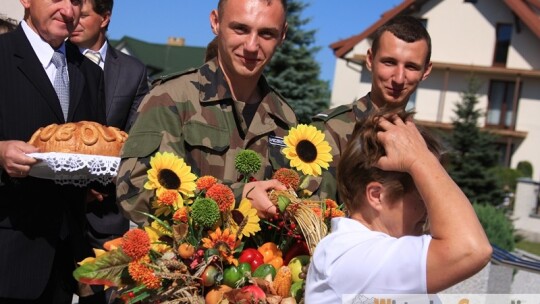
(312,226)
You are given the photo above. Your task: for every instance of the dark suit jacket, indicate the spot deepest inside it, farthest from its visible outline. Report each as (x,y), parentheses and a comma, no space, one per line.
(36,213)
(126,83)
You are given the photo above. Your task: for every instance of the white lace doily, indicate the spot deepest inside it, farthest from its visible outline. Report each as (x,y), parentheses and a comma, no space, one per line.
(75,169)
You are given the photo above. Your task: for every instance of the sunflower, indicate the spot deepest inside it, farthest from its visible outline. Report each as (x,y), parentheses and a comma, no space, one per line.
(244,220)
(307,150)
(169,172)
(225,242)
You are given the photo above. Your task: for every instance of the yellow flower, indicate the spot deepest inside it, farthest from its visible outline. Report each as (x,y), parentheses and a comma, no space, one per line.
(155,232)
(169,172)
(244,220)
(307,150)
(225,242)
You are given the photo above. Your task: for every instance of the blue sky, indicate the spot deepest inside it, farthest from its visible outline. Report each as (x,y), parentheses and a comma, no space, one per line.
(155,21)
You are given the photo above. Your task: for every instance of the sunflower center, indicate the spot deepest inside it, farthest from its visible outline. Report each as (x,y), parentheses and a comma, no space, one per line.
(237,216)
(306,151)
(168,179)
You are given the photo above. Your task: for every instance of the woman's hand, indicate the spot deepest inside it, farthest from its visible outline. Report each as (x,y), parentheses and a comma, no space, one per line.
(403,144)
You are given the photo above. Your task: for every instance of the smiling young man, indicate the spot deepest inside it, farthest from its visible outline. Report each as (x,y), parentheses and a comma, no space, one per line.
(208,115)
(399,59)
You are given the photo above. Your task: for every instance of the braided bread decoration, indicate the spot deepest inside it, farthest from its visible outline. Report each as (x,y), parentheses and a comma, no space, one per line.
(83,137)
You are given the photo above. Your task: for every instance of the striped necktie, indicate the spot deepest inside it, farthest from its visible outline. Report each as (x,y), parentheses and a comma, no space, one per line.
(61,81)
(94,56)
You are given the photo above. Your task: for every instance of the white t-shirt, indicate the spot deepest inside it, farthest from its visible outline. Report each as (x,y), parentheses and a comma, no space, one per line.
(355,260)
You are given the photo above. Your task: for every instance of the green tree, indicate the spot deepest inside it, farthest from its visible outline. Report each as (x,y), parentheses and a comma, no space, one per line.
(473,151)
(498,227)
(293,71)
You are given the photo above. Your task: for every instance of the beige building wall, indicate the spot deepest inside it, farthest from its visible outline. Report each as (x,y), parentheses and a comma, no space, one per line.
(12,9)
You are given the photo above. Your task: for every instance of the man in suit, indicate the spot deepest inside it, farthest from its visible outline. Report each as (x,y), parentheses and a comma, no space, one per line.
(126,83)
(41,222)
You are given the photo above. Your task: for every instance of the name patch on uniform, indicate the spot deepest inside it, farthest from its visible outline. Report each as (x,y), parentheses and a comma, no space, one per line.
(276,141)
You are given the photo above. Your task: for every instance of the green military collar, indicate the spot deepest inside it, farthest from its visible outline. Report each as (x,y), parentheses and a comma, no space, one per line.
(214,88)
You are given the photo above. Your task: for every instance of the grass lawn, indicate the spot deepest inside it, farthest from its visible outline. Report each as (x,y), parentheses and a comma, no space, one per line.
(531,247)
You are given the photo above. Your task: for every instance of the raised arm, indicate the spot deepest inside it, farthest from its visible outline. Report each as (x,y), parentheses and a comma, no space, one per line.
(459,247)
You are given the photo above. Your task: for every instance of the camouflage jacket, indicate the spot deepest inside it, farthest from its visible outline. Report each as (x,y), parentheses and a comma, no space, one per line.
(194,116)
(338,124)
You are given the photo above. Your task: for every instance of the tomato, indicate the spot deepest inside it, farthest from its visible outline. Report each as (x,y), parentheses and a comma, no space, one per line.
(210,275)
(232,276)
(251,256)
(264,270)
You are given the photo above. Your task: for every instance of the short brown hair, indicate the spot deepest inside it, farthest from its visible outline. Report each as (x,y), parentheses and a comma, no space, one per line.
(356,168)
(406,28)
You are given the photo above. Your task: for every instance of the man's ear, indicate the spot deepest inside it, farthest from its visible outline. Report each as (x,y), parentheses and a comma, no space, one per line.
(106,20)
(214,21)
(25,3)
(429,66)
(369,59)
(374,194)
(284,34)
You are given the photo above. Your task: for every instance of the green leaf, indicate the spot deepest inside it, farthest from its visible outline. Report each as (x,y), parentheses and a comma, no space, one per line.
(162,223)
(104,270)
(283,202)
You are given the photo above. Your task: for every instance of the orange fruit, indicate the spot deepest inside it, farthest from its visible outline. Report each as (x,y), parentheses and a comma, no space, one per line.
(186,250)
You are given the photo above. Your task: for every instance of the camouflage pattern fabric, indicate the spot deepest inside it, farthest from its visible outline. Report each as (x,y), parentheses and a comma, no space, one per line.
(193,115)
(337,125)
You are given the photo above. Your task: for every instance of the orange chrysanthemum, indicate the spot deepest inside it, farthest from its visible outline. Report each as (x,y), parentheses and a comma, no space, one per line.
(225,242)
(330,204)
(317,211)
(333,212)
(168,197)
(181,215)
(136,243)
(143,274)
(223,196)
(288,177)
(205,182)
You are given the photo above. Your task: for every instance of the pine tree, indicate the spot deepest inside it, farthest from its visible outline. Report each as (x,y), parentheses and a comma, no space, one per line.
(293,71)
(473,152)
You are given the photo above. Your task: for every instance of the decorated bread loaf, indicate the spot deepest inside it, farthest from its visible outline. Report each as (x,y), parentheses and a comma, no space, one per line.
(83,137)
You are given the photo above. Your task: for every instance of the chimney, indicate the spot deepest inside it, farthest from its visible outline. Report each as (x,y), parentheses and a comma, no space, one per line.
(177,41)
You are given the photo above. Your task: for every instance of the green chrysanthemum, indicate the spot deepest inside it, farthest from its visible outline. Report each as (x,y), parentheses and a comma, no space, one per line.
(247,162)
(205,212)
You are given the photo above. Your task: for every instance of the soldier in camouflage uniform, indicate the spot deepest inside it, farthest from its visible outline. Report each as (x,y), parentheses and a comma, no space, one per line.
(399,59)
(208,115)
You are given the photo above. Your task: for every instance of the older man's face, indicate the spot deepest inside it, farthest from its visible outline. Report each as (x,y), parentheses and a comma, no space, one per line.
(53,20)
